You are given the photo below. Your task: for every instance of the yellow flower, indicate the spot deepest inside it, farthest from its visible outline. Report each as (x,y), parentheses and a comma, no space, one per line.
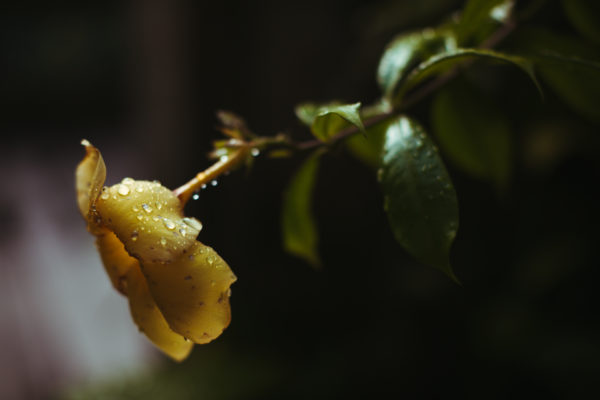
(178,288)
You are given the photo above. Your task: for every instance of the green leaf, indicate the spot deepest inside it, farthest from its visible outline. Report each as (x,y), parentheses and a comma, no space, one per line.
(585,17)
(444,62)
(481,17)
(367,148)
(300,236)
(473,133)
(327,120)
(419,198)
(407,50)
(568,65)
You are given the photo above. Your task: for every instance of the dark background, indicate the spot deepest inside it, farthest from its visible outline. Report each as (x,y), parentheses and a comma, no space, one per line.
(142,81)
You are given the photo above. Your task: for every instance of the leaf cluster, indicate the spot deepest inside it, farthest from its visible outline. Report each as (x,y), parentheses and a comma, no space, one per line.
(473,132)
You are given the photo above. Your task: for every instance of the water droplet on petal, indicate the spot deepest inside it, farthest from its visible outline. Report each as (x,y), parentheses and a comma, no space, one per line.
(139,189)
(147,208)
(135,209)
(158,205)
(196,196)
(104,195)
(168,224)
(140,217)
(127,181)
(210,259)
(134,235)
(214,182)
(182,232)
(223,158)
(123,190)
(193,223)
(163,241)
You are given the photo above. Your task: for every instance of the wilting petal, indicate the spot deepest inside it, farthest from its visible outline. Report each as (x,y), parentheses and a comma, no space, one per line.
(147,218)
(127,278)
(115,259)
(149,319)
(89,178)
(193,292)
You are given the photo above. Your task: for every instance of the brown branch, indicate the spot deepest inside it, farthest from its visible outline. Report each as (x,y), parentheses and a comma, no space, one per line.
(415,97)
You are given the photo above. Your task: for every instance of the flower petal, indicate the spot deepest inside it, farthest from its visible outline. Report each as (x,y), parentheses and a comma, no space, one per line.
(89,178)
(127,278)
(149,319)
(193,292)
(115,259)
(147,218)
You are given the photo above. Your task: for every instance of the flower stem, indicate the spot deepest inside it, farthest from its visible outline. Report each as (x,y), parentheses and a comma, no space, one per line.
(225,163)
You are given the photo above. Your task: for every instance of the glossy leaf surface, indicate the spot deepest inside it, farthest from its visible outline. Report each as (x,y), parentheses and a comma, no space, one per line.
(327,120)
(445,62)
(407,50)
(480,17)
(419,198)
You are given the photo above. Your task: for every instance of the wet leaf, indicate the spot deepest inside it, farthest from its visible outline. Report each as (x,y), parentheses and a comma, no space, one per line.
(405,51)
(568,65)
(419,198)
(327,120)
(441,63)
(473,133)
(480,18)
(300,236)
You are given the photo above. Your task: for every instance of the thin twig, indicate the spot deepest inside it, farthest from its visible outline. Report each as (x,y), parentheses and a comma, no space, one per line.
(413,98)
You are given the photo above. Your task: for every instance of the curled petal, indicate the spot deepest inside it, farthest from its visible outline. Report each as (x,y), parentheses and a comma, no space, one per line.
(193,292)
(149,319)
(147,218)
(116,260)
(89,178)
(127,278)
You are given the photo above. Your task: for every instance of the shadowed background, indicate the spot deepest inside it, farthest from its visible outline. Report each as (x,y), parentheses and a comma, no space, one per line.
(142,80)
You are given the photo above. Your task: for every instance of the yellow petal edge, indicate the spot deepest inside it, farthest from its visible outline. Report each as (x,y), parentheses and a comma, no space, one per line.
(178,288)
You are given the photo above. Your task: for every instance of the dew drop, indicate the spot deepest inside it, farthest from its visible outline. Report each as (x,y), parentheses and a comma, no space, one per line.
(158,205)
(182,232)
(203,186)
(123,190)
(104,196)
(193,223)
(140,217)
(255,152)
(155,218)
(139,189)
(147,208)
(127,181)
(168,224)
(223,158)
(196,196)
(210,259)
(135,209)
(163,241)
(214,182)
(134,235)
